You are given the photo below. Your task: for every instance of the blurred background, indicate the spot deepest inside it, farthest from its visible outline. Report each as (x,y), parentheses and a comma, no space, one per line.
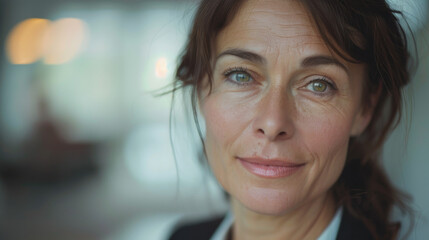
(84,139)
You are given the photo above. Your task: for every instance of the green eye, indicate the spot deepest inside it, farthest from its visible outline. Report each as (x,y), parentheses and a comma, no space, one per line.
(319,86)
(241,77)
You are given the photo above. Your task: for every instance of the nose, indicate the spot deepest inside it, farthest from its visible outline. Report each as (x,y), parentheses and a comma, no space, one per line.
(274,117)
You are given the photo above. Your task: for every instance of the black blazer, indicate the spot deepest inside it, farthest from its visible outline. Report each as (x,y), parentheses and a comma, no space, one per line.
(350,229)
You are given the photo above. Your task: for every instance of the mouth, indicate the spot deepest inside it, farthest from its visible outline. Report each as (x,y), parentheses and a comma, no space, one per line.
(269,168)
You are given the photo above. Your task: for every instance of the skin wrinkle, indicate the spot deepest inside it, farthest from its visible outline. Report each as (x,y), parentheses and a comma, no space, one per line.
(284,28)
(317,128)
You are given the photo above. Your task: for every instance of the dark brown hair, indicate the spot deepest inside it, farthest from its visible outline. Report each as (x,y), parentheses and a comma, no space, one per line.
(365,31)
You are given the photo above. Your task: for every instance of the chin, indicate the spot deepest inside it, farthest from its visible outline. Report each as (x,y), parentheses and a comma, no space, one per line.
(268,201)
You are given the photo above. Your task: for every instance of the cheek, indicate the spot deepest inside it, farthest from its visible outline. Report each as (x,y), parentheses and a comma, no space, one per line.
(325,138)
(223,116)
(221,122)
(224,124)
(324,134)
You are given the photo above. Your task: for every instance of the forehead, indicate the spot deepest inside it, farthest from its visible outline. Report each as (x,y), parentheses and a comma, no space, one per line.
(266,24)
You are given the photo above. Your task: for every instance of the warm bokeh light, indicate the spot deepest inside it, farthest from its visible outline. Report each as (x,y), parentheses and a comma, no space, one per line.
(161,68)
(57,42)
(25,42)
(65,39)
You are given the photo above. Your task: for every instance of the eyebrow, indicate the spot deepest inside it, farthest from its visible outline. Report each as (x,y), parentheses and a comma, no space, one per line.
(308,62)
(317,60)
(247,55)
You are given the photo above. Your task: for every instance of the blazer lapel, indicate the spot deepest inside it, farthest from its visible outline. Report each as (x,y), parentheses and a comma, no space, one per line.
(352,228)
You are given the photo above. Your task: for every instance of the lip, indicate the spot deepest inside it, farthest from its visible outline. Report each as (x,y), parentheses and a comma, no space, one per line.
(270,168)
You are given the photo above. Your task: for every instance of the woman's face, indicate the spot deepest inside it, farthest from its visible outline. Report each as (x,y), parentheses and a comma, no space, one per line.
(282,108)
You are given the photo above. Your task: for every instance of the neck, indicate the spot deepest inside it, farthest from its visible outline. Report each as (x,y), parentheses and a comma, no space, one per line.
(306,222)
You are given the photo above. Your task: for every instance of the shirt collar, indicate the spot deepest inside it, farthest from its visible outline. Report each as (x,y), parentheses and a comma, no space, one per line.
(329,233)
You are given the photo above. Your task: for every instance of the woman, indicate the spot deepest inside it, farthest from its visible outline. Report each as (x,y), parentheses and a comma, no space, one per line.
(297,97)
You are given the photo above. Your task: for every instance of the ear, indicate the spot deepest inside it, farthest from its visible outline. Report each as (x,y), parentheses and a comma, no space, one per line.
(360,123)
(363,118)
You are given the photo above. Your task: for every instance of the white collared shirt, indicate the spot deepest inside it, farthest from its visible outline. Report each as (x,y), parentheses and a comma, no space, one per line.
(330,232)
